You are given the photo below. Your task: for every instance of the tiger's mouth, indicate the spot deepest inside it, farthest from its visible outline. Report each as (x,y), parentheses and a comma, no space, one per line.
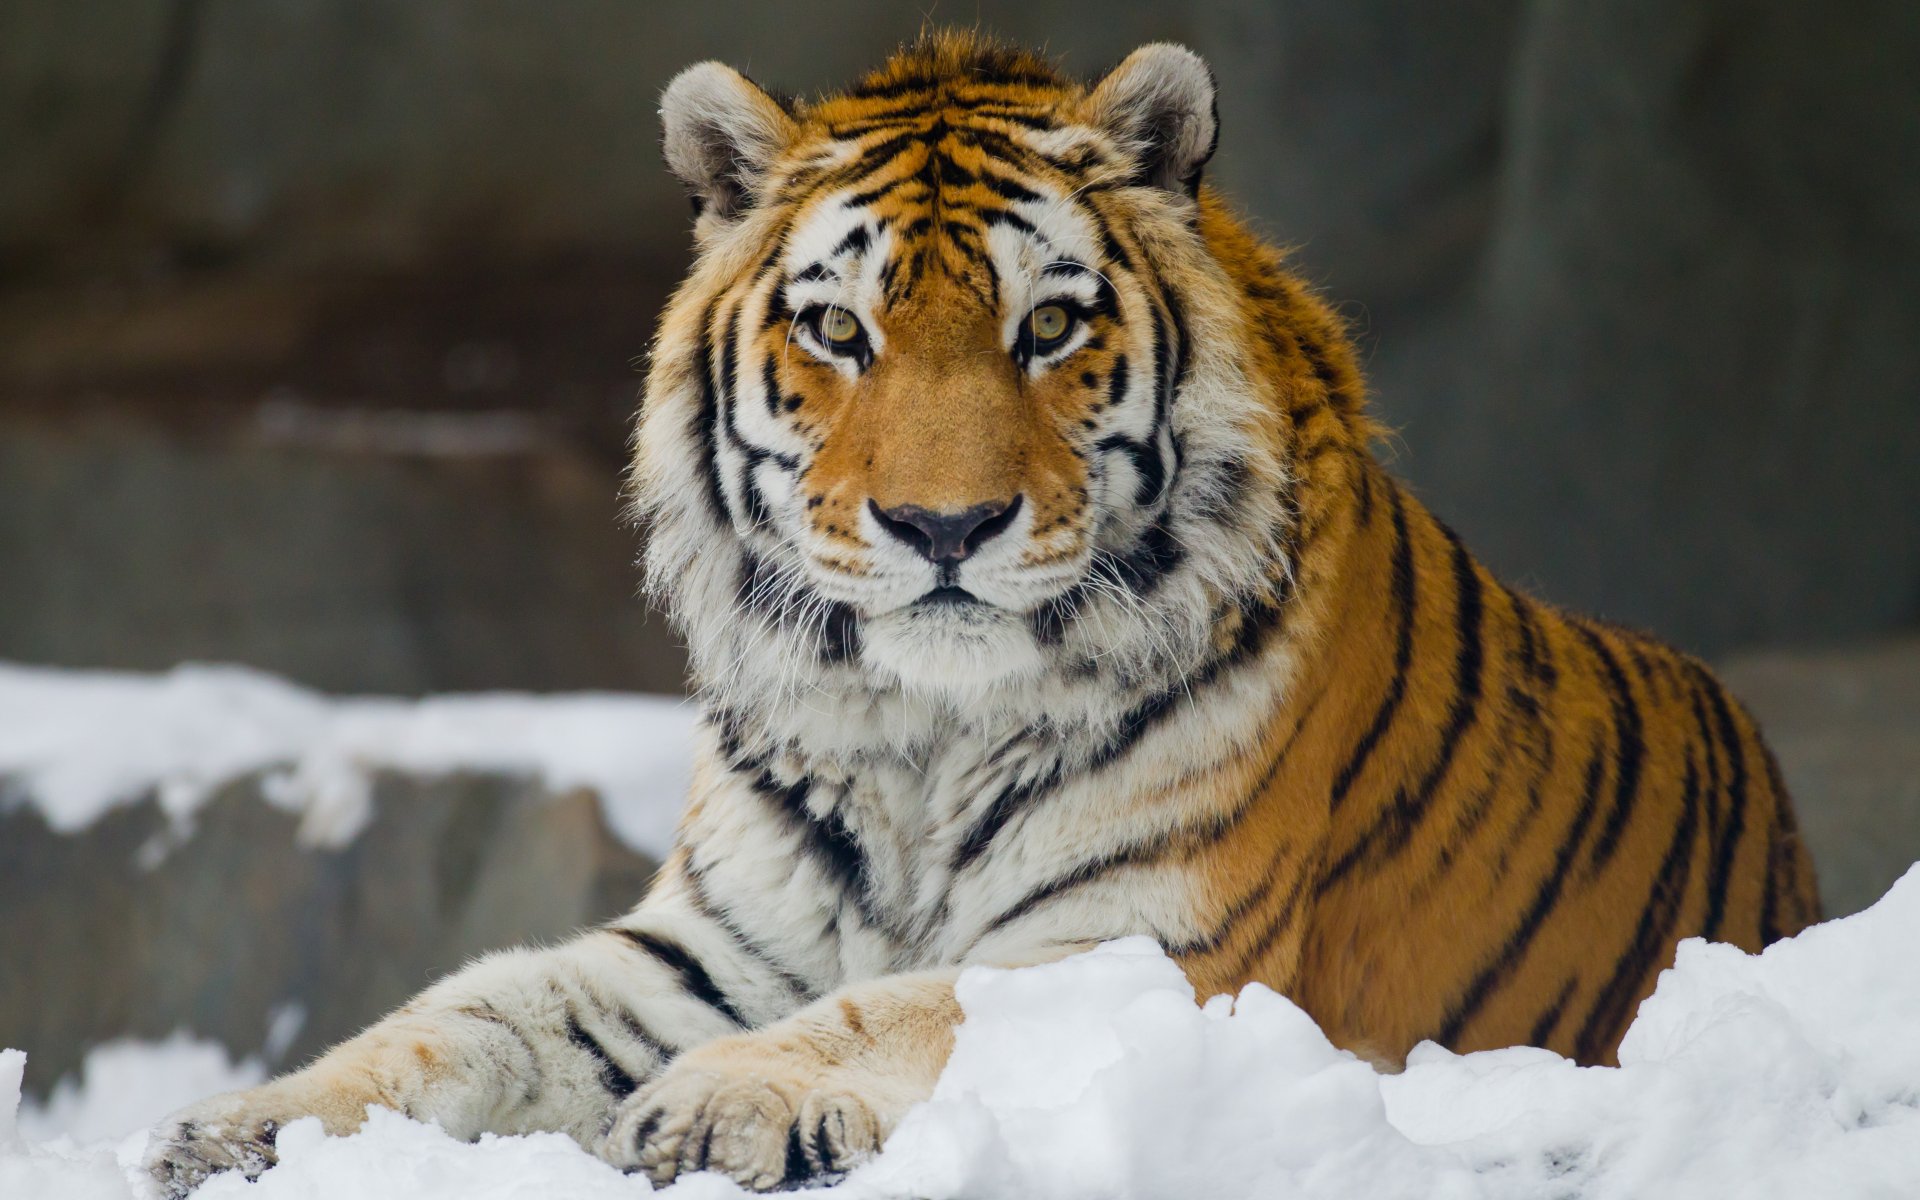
(949,640)
(948,594)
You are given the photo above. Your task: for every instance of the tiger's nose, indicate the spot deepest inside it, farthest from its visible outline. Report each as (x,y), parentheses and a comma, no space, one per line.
(946,537)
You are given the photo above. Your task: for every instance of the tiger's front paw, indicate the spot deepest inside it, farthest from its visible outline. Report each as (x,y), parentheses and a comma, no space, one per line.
(237,1131)
(750,1113)
(234,1132)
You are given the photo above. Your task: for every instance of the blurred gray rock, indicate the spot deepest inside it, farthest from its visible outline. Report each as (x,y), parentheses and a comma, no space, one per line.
(240,920)
(371,551)
(1846,727)
(1640,282)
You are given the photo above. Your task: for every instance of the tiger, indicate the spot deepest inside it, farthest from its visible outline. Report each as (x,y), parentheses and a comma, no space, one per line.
(1042,585)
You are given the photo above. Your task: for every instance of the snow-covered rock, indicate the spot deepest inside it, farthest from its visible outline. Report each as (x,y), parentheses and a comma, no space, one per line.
(76,744)
(204,848)
(1794,1074)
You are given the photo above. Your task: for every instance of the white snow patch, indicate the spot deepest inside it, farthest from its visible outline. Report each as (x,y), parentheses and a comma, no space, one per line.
(125,1086)
(1790,1074)
(78,743)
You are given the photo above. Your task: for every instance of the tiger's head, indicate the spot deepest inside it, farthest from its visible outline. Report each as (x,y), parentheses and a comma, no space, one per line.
(950,403)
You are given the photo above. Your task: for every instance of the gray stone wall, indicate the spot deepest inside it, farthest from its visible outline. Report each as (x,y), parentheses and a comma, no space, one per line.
(354,551)
(1637,280)
(125,930)
(1640,280)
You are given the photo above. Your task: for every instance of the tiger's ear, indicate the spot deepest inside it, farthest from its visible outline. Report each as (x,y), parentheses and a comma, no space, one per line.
(720,133)
(1161,102)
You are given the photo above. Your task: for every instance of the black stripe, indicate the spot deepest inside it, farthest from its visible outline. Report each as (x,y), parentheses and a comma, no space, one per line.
(1290,910)
(1270,876)
(1727,848)
(1404,598)
(797,1169)
(839,633)
(704,905)
(1211,830)
(822,1146)
(1366,471)
(1008,188)
(1012,799)
(994,218)
(1323,370)
(1182,349)
(694,977)
(949,172)
(878,156)
(792,603)
(1545,896)
(876,193)
(1783,871)
(645,1129)
(1110,245)
(613,1076)
(1026,119)
(1146,562)
(1536,654)
(1543,752)
(1395,827)
(1148,467)
(1171,363)
(750,496)
(1118,382)
(646,1037)
(1163,356)
(1550,1019)
(709,422)
(894,89)
(530,1084)
(826,840)
(1630,753)
(1082,873)
(1474,812)
(857,239)
(770,384)
(1653,937)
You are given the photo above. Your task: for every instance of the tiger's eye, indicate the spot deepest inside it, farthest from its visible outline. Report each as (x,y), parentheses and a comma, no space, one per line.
(839,326)
(1049,323)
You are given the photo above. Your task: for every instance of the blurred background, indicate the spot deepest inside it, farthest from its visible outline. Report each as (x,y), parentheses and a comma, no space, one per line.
(321,325)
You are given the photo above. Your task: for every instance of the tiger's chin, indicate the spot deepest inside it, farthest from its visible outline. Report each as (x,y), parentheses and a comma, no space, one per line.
(956,651)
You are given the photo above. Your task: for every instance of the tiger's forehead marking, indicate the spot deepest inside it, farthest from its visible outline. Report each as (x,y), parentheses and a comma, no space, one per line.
(955,190)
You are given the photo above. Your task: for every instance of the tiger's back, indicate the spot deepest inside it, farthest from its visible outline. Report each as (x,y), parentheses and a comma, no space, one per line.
(1525,809)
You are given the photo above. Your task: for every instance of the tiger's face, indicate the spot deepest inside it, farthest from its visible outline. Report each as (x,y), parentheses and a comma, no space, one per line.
(962,391)
(937,360)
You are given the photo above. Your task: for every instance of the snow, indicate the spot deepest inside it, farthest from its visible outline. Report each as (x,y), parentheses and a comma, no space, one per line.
(126,1085)
(76,744)
(1794,1073)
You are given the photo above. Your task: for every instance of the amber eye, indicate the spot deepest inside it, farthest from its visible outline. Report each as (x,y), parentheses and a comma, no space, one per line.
(839,326)
(1048,324)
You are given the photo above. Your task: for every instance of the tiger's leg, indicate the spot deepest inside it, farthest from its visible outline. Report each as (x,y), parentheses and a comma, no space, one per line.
(814,1094)
(520,1041)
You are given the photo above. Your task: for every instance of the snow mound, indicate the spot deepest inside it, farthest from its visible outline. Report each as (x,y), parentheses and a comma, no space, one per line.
(127,1085)
(78,743)
(1794,1073)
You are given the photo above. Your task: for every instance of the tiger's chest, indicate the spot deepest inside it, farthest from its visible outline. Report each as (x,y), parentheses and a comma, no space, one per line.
(925,848)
